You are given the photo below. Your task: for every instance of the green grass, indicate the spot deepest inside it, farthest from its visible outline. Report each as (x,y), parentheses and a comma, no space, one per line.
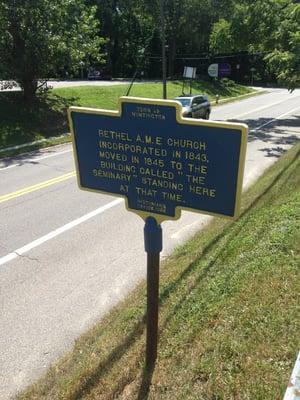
(47,118)
(107,97)
(20,124)
(229,313)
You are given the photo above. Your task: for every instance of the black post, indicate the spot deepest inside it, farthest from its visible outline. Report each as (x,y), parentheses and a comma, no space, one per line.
(163,49)
(153,246)
(131,83)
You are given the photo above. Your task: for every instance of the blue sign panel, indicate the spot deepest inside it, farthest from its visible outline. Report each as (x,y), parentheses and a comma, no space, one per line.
(160,162)
(224,69)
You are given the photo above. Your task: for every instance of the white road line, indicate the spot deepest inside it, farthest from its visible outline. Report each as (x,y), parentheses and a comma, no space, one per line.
(275,119)
(36,159)
(262,108)
(58,231)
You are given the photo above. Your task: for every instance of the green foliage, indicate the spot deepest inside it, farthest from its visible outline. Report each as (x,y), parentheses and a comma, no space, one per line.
(284,59)
(221,39)
(43,38)
(129,27)
(272,28)
(133,30)
(189,24)
(38,38)
(193,28)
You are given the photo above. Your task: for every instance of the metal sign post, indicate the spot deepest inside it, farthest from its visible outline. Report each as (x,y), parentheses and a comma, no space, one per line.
(160,163)
(153,246)
(189,73)
(163,48)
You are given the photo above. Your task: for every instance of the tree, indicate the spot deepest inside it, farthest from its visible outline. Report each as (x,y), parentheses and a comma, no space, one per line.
(284,59)
(40,37)
(129,27)
(268,27)
(188,26)
(221,40)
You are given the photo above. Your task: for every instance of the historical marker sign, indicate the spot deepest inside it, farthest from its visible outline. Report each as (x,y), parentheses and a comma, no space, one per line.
(157,160)
(161,163)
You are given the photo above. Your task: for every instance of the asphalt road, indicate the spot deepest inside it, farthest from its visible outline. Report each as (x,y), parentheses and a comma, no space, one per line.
(67,256)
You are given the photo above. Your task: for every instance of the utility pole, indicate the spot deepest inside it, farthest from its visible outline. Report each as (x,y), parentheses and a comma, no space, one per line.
(163,48)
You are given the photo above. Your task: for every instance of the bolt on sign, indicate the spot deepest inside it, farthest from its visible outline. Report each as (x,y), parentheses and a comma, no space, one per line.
(160,163)
(157,160)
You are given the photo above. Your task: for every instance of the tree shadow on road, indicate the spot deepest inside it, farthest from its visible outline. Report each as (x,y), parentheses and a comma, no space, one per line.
(276,132)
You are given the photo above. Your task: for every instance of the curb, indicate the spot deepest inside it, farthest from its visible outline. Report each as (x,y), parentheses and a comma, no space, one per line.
(293,390)
(20,146)
(231,99)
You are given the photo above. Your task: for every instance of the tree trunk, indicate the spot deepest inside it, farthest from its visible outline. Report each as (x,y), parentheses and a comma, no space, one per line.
(29,90)
(172,55)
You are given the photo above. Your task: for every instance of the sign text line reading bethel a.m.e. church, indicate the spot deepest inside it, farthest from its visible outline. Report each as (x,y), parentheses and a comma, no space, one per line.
(160,162)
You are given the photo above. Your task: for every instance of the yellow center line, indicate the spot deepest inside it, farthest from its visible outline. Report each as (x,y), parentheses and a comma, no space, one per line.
(38,186)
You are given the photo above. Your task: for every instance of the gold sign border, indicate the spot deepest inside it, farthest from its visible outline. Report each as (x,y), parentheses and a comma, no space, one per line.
(243,128)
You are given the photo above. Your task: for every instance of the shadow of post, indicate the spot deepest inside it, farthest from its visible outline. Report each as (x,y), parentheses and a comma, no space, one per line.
(146,383)
(103,367)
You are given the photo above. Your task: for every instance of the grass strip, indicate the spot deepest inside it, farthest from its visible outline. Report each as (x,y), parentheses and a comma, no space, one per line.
(47,118)
(238,98)
(36,145)
(107,96)
(229,313)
